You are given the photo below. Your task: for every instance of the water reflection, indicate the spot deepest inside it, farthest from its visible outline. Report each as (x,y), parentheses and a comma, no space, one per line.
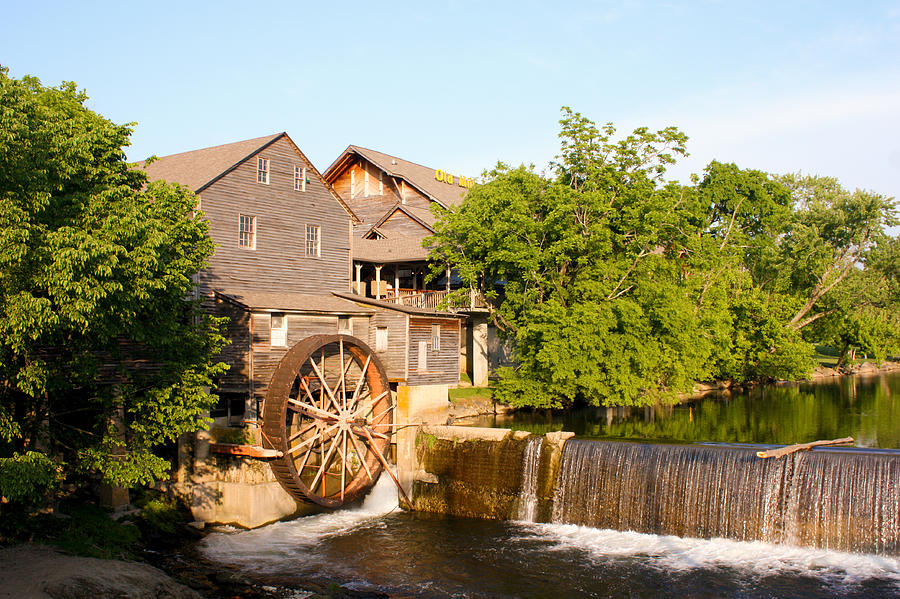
(866,408)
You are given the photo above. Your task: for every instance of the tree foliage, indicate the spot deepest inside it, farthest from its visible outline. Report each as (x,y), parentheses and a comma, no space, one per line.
(616,286)
(103,356)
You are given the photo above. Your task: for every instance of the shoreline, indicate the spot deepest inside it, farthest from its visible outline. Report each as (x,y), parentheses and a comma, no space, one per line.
(820,374)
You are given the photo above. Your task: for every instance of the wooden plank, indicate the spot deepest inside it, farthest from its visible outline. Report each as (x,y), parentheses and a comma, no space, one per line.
(282,215)
(250,451)
(443,362)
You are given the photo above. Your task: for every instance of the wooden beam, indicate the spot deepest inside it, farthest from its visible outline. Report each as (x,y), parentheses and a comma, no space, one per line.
(251,451)
(783,451)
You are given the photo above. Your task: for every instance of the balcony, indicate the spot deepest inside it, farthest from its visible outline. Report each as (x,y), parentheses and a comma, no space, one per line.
(430,300)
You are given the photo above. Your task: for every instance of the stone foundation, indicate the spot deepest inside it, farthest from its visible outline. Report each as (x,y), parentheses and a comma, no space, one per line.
(223,489)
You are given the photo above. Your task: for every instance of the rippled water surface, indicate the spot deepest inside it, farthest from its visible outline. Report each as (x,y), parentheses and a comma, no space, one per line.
(865,408)
(379,548)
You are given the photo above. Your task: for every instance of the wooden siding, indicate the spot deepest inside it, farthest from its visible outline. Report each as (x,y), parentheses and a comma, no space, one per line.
(443,364)
(415,199)
(401,224)
(394,359)
(360,329)
(371,208)
(279,262)
(266,358)
(237,353)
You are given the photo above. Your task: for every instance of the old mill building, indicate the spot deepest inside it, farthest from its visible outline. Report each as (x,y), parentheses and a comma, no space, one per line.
(302,253)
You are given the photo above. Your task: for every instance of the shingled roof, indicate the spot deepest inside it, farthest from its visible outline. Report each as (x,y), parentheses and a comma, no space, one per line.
(198,169)
(388,251)
(423,217)
(419,176)
(290,302)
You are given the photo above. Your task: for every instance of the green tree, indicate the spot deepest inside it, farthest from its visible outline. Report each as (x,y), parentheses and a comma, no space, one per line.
(103,356)
(832,232)
(585,272)
(620,288)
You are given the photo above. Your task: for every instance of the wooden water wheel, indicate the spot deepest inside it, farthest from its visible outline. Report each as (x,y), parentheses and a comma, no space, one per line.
(328,411)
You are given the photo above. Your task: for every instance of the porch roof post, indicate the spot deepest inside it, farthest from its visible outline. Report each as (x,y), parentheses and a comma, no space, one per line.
(397,283)
(378,268)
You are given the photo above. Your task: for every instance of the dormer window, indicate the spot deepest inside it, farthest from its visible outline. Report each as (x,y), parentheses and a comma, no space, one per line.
(300,178)
(262,170)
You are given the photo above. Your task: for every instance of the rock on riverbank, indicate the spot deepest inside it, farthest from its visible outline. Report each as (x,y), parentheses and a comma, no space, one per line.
(40,572)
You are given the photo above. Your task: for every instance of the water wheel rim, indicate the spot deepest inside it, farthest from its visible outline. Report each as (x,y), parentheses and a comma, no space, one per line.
(332,427)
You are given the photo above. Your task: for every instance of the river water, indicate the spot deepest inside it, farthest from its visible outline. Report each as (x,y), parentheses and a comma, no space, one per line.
(378,547)
(865,408)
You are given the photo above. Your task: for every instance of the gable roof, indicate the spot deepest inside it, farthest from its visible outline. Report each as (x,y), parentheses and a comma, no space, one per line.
(419,176)
(198,169)
(422,217)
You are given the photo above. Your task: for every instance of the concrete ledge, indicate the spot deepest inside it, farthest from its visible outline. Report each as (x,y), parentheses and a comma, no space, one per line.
(468,433)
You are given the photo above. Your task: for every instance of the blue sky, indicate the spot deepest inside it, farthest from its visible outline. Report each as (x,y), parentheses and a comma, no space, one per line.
(778,86)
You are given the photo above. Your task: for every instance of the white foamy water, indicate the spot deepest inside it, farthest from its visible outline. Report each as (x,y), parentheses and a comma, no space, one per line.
(682,554)
(531,464)
(267,548)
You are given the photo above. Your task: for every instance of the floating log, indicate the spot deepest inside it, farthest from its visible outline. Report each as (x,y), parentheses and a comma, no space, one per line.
(783,451)
(250,451)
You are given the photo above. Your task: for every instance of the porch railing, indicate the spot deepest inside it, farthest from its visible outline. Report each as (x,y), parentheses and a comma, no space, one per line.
(430,300)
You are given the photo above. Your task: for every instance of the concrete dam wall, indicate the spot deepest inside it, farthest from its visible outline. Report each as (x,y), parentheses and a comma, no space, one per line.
(843,499)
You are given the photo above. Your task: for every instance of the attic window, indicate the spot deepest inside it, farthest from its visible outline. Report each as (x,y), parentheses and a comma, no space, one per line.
(262,170)
(380,183)
(300,178)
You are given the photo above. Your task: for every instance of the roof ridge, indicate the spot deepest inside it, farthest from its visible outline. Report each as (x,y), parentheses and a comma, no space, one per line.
(218,146)
(392,156)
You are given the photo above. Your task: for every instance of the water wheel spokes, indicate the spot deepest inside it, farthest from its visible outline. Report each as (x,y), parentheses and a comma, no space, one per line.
(329,411)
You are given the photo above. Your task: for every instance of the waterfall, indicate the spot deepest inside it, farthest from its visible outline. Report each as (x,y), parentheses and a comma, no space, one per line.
(842,500)
(531,467)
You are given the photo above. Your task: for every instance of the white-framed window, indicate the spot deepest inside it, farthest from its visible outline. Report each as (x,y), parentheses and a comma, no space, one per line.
(380,183)
(344,325)
(278,330)
(313,241)
(366,183)
(352,183)
(436,337)
(247,231)
(262,170)
(300,178)
(423,356)
(381,338)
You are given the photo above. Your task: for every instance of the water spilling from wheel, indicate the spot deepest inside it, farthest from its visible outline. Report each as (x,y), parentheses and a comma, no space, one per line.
(841,500)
